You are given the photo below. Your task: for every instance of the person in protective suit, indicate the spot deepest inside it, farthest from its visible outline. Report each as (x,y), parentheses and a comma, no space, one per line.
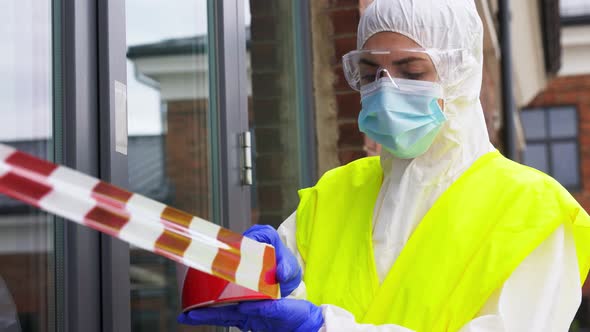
(439,233)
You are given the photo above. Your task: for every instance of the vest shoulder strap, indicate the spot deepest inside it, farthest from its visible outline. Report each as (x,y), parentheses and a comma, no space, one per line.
(359,176)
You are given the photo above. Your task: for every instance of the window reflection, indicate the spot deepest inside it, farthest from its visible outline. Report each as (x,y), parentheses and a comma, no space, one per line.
(273,109)
(26,234)
(168,158)
(570,8)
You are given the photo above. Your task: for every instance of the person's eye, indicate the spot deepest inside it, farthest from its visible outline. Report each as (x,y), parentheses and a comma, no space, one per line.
(368,78)
(414,75)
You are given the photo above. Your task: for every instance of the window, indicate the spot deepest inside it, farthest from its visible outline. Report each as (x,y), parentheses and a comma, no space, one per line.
(169,146)
(27,244)
(193,72)
(575,11)
(574,7)
(552,143)
(277,110)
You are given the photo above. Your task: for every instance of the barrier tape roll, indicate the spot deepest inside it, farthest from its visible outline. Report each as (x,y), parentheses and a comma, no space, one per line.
(138,220)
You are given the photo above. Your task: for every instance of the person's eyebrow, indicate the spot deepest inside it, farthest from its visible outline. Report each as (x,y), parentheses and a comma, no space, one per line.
(407,60)
(368,62)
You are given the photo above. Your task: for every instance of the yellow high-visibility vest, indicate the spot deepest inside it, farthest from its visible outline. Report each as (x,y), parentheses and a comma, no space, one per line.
(467,245)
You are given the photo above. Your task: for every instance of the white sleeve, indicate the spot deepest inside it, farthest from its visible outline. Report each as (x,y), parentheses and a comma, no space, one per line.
(542,294)
(287,232)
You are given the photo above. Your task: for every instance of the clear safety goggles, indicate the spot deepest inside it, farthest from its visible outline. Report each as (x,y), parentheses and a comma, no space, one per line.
(362,67)
(403,86)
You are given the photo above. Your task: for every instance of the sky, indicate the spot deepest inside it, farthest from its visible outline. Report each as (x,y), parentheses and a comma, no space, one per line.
(25,68)
(574,7)
(150,21)
(25,63)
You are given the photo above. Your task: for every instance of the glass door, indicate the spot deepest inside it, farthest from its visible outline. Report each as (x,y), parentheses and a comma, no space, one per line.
(279,100)
(27,246)
(170,138)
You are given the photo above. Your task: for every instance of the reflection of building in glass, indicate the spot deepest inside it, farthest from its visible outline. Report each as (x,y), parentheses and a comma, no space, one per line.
(26,252)
(27,237)
(176,161)
(178,69)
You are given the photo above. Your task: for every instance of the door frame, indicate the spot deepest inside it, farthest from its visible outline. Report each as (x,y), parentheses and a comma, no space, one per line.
(90,56)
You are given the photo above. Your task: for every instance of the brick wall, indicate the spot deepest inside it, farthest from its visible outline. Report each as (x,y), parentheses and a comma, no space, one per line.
(272,118)
(334,24)
(345,15)
(574,91)
(187,155)
(273,113)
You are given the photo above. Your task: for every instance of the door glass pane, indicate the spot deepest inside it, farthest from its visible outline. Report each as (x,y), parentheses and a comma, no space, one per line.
(169,148)
(535,156)
(26,234)
(562,122)
(569,8)
(533,122)
(564,159)
(273,109)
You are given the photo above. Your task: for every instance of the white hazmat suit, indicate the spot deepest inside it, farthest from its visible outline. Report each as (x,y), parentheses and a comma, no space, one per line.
(543,293)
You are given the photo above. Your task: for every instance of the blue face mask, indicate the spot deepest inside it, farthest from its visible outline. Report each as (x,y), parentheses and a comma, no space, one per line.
(403,116)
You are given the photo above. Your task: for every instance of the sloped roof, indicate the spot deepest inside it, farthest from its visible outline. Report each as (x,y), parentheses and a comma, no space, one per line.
(175,46)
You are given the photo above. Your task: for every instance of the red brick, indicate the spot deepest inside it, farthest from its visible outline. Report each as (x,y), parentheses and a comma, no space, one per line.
(350,136)
(270,197)
(271,68)
(343,3)
(262,28)
(269,168)
(349,105)
(262,8)
(267,82)
(347,156)
(343,45)
(268,140)
(267,112)
(567,97)
(264,56)
(187,155)
(345,21)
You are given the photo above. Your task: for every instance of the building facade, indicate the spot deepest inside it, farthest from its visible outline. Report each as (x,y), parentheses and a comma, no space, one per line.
(557,120)
(198,78)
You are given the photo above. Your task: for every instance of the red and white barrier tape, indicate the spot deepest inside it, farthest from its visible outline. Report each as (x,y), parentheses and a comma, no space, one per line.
(138,220)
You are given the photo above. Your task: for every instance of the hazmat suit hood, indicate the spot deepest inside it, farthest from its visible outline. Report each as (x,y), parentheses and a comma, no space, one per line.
(411,186)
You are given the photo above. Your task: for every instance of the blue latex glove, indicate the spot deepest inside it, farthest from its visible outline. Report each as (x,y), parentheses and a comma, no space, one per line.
(288,269)
(277,315)
(219,316)
(282,315)
(269,316)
